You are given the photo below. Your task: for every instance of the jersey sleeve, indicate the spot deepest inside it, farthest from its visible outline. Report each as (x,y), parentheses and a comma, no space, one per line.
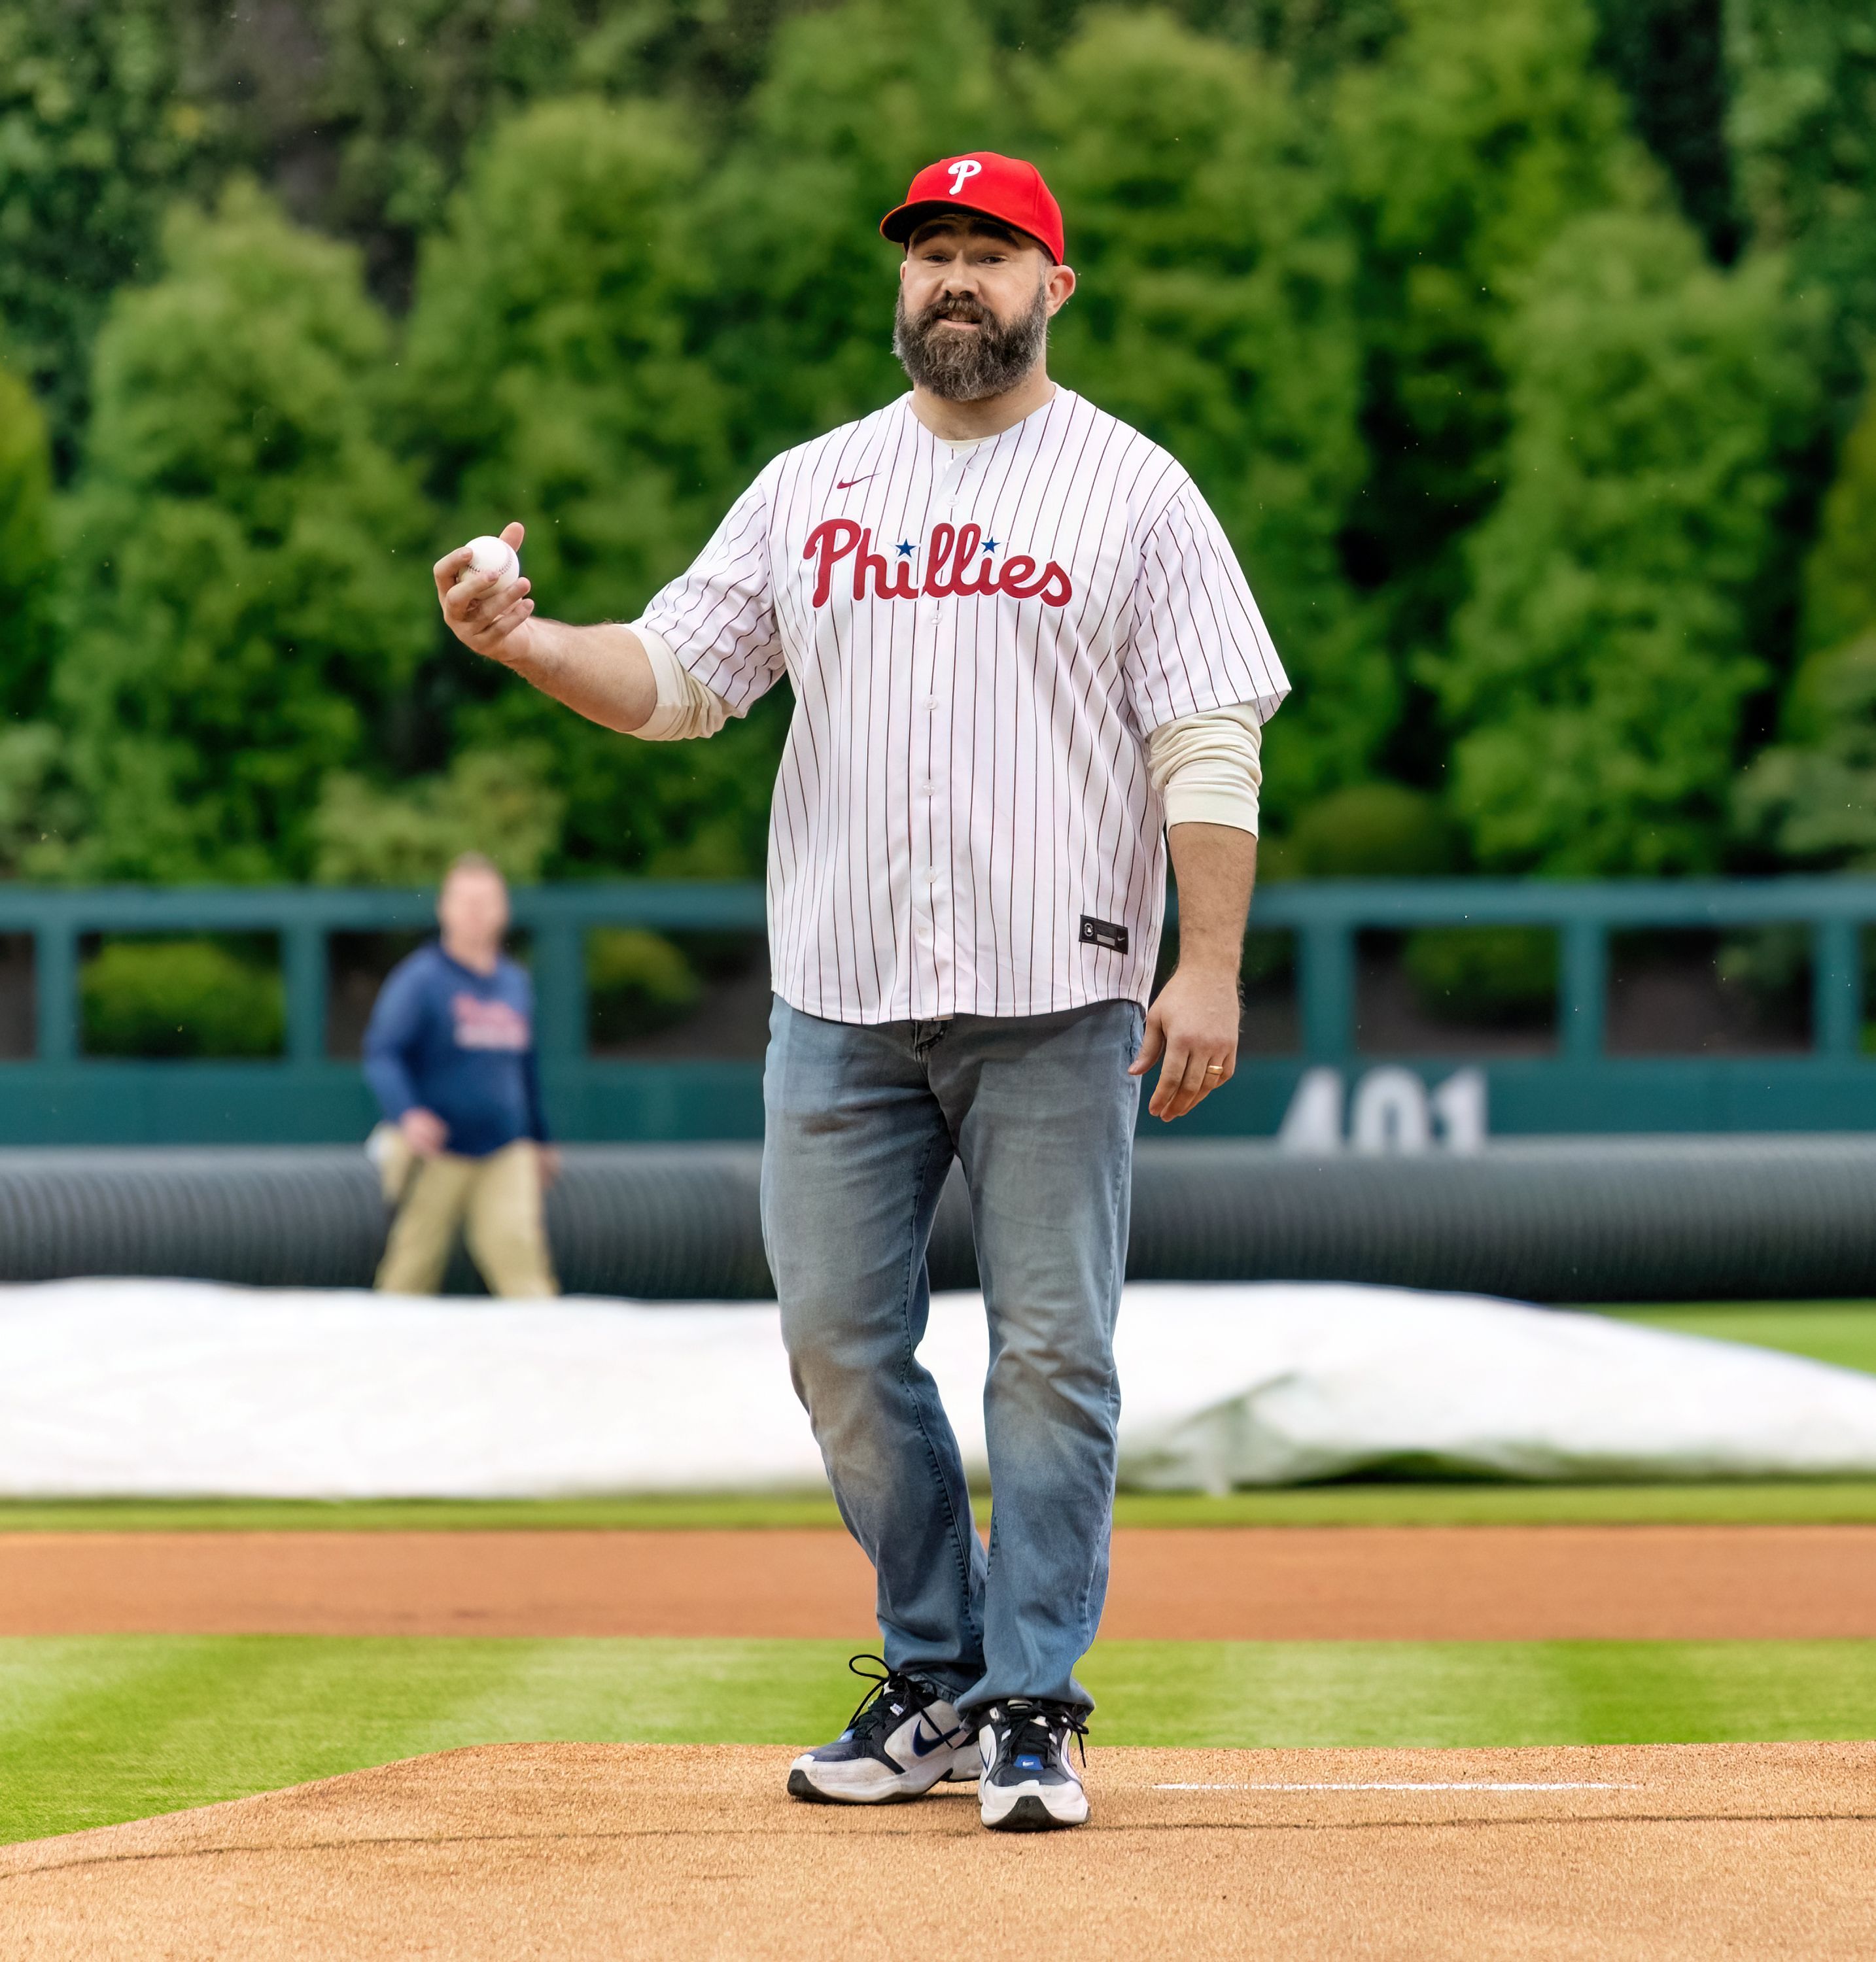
(1198,641)
(719,617)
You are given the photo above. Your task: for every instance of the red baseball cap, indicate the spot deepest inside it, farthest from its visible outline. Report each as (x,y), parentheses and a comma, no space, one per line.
(1004,188)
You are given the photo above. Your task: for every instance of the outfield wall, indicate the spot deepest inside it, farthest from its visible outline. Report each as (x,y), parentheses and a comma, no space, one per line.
(1646,1016)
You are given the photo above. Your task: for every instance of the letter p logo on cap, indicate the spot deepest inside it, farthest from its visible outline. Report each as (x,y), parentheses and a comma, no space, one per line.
(1004,188)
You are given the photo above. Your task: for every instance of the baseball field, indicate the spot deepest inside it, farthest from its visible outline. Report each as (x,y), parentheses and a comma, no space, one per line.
(1403,1719)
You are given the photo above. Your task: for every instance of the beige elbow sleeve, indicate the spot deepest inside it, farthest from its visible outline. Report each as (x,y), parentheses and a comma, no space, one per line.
(686,707)
(1208,769)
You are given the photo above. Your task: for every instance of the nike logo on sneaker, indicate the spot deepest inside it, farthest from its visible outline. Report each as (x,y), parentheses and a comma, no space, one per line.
(849,483)
(920,1749)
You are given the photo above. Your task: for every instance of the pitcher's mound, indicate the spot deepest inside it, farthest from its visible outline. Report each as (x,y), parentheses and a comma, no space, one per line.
(573,1850)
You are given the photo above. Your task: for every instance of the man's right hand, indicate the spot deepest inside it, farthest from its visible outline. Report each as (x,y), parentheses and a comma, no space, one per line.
(487,612)
(601,672)
(424,1131)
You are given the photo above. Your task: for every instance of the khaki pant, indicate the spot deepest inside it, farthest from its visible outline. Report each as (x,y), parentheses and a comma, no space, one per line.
(497,1199)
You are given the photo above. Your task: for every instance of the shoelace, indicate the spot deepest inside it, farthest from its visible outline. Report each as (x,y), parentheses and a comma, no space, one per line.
(892,1697)
(1038,1730)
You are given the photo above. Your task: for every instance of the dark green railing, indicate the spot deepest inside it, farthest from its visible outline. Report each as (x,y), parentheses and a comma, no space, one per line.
(60,1095)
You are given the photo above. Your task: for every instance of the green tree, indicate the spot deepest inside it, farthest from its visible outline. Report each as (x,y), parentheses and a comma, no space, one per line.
(1217,313)
(1315,37)
(34,807)
(1802,125)
(363,114)
(1669,59)
(1478,136)
(32,804)
(548,375)
(1811,798)
(25,557)
(404,88)
(1840,575)
(1598,672)
(100,129)
(1373,831)
(499,802)
(244,556)
(856,100)
(547,372)
(358,113)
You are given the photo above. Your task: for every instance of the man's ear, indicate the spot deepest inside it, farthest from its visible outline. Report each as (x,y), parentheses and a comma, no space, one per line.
(1058,285)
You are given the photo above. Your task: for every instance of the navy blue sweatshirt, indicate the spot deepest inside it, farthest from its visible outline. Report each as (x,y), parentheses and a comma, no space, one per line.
(459,1043)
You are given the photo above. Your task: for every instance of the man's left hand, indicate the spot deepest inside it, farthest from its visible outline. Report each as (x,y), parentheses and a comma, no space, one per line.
(1193,1023)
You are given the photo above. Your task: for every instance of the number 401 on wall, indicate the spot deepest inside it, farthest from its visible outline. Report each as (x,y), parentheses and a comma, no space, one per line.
(1390,1110)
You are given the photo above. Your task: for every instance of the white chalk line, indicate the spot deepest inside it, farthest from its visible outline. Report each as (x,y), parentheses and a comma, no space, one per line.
(1574,1785)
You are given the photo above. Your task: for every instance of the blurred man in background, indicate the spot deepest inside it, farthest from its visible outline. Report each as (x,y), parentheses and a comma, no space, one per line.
(449,1054)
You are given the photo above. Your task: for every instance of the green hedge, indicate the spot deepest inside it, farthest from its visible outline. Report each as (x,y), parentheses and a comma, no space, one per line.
(637,984)
(1488,975)
(180,997)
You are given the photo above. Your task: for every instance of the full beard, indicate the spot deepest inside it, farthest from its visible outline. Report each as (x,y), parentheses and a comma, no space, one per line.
(967,367)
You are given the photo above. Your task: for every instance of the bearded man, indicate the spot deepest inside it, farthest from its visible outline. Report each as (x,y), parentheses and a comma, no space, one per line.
(1024,660)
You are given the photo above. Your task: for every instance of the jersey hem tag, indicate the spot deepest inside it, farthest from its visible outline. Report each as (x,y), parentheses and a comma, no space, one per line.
(1103,933)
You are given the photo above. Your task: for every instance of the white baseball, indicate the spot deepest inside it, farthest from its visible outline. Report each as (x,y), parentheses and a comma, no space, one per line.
(487,555)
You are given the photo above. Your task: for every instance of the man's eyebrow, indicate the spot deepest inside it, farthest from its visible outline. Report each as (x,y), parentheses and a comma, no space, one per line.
(976,227)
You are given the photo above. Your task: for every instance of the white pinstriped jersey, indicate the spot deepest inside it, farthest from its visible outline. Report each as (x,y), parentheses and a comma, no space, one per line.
(979,645)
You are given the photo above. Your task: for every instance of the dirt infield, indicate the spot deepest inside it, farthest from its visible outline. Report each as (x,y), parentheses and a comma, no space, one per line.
(624,1851)
(1399,1583)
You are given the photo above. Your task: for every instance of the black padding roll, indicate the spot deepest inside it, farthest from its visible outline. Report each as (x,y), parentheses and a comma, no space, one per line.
(660,1223)
(1550,1219)
(277,1217)
(1747,1218)
(677,1222)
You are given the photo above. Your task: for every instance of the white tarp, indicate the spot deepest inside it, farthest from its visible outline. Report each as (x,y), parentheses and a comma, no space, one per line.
(172,1387)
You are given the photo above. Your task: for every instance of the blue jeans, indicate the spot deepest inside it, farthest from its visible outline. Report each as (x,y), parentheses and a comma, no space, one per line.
(863,1123)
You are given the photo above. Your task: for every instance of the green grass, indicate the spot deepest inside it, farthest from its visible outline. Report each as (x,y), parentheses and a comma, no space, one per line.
(1843,1332)
(777,1509)
(95,1729)
(1463,1504)
(1457,1503)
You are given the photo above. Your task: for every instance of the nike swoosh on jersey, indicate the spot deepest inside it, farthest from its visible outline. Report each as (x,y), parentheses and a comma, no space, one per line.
(851,481)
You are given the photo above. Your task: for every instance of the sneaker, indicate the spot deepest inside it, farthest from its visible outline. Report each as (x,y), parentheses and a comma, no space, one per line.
(905,1738)
(1028,1784)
